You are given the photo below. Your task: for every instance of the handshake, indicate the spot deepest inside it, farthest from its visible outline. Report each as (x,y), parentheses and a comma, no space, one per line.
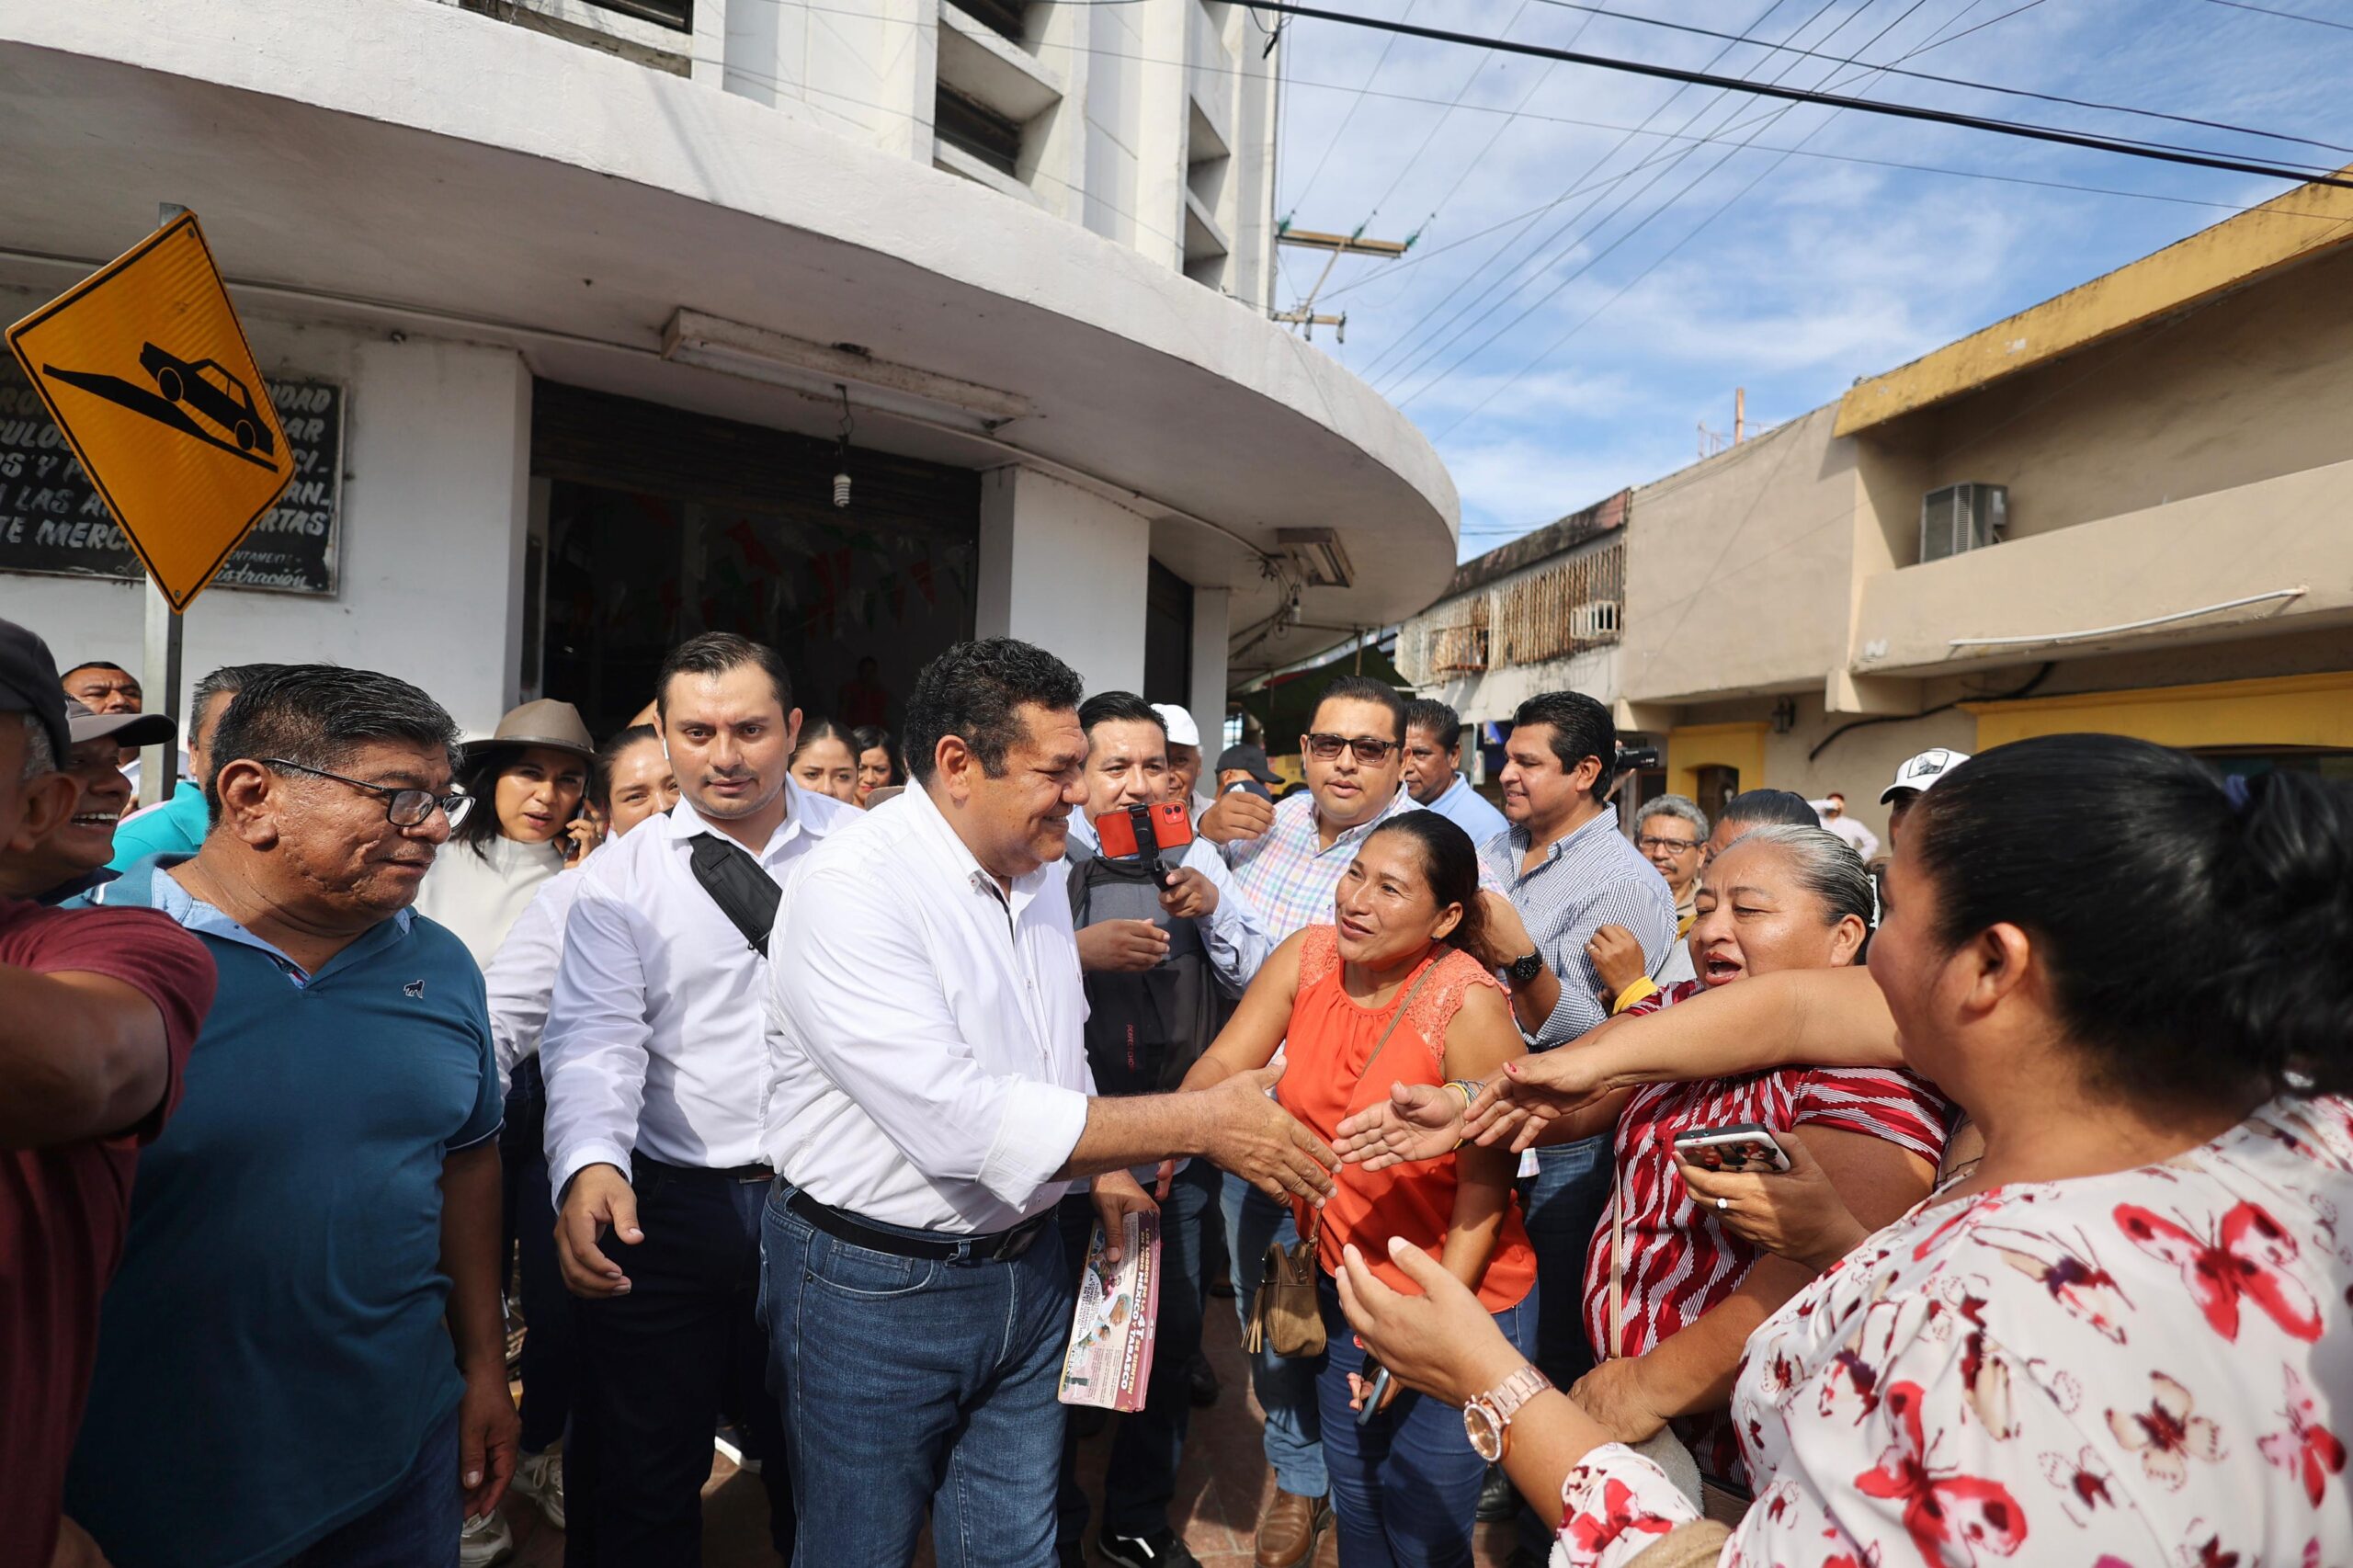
(1243,1129)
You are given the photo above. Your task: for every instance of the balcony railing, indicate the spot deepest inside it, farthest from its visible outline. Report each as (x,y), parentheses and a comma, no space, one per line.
(1553,612)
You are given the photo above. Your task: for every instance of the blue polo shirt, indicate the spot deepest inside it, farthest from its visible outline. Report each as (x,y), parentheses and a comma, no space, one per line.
(1470,810)
(272,1355)
(176,827)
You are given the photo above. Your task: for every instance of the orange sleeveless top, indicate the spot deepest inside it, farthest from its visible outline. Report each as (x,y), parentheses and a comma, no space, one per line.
(1331,1038)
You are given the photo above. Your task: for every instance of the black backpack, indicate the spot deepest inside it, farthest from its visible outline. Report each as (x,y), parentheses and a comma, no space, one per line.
(1144,1030)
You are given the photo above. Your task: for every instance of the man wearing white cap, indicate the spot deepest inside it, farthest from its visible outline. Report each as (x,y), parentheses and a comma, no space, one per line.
(1911,781)
(1184,757)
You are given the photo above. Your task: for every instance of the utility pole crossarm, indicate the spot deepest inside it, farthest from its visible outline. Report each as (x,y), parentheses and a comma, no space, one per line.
(1346,244)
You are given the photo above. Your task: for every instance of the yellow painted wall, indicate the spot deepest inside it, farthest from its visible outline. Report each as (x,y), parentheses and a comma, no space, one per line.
(2291,711)
(1696,746)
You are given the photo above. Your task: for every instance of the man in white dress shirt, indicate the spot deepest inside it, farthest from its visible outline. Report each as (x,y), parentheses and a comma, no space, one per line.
(929,1105)
(654,1054)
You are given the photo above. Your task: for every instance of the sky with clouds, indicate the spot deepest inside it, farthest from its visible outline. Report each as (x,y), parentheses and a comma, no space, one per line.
(1601,257)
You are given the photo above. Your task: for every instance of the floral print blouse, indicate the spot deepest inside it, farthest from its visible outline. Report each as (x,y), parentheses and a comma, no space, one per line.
(2152,1369)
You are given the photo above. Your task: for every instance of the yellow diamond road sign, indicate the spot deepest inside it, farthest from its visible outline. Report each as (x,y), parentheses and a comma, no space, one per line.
(145,368)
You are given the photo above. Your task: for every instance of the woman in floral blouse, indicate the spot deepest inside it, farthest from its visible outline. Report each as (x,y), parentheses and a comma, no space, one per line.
(2122,1338)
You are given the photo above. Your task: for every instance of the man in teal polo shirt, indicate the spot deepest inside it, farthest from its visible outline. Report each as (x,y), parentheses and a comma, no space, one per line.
(175,825)
(302,1356)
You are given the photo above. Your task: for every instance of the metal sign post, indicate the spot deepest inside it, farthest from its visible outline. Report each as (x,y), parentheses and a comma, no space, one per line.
(159,765)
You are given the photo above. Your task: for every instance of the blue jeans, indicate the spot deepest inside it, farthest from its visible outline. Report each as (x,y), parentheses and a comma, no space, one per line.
(909,1383)
(1562,1204)
(1141,1480)
(1293,1435)
(1405,1484)
(415,1526)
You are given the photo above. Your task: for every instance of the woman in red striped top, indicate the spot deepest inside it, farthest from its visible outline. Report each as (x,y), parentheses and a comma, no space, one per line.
(1670,1293)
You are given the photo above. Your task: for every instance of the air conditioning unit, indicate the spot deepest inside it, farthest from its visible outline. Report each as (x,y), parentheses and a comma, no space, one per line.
(1962,517)
(1591,622)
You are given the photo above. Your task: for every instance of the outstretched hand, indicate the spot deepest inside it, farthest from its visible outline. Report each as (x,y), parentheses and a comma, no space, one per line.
(1258,1140)
(1442,1343)
(1530,1094)
(1417,1121)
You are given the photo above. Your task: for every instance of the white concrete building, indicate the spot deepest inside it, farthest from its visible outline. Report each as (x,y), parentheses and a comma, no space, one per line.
(584,304)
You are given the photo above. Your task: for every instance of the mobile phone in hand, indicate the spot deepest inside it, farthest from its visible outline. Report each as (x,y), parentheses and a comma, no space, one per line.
(1739,1147)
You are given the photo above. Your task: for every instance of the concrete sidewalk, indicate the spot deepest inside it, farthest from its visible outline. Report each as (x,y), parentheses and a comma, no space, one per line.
(1219,1491)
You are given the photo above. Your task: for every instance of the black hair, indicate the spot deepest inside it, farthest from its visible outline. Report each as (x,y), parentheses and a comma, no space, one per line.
(2195,932)
(478,774)
(1581,728)
(319,715)
(1443,722)
(715,653)
(815,730)
(974,692)
(1118,707)
(600,768)
(1364,688)
(1759,807)
(93,665)
(871,737)
(228,680)
(1451,865)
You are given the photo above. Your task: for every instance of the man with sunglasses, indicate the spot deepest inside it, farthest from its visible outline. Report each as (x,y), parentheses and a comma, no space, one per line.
(304,1355)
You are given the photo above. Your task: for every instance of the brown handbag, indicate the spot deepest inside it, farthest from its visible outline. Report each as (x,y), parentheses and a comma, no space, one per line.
(1285,1316)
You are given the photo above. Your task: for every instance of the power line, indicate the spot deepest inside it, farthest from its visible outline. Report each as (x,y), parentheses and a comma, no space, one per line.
(1439,124)
(2122,147)
(1431,350)
(1961,82)
(1355,104)
(2291,16)
(1405,343)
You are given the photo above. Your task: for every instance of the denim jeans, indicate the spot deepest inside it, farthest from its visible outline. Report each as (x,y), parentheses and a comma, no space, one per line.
(1293,1435)
(909,1383)
(1405,1484)
(415,1526)
(1562,1204)
(1140,1479)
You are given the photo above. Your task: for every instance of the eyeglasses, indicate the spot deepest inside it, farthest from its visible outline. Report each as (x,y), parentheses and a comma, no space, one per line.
(1372,753)
(1672,845)
(402,808)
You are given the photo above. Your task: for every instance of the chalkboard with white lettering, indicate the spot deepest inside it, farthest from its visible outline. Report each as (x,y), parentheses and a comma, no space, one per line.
(53,520)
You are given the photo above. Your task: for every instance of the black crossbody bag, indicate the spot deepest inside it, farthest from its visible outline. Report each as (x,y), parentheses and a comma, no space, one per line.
(747,895)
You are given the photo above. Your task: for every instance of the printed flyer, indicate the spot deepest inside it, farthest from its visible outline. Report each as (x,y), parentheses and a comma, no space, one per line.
(1109,1360)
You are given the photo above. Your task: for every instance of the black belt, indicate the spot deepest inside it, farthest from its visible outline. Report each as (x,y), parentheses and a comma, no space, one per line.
(1000,1246)
(744,1174)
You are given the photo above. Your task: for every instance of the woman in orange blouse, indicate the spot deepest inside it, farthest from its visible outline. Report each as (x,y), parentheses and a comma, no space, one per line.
(1391,993)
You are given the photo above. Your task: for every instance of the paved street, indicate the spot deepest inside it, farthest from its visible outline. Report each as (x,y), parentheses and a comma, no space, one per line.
(1218,1493)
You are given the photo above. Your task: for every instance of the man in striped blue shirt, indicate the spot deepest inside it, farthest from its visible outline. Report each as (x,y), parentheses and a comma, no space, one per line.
(1568,870)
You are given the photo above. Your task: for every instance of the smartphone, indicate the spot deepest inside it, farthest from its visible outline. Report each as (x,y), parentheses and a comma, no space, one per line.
(1144,830)
(1374,1394)
(1742,1147)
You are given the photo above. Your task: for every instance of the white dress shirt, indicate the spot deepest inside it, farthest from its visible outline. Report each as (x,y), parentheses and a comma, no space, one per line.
(653,1037)
(927,1043)
(520,977)
(1237,943)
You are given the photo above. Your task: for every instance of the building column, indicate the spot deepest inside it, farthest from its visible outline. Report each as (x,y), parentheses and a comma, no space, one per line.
(1207,698)
(1065,569)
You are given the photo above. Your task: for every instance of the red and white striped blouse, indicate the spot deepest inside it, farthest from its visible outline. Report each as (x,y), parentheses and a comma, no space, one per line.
(1678,1262)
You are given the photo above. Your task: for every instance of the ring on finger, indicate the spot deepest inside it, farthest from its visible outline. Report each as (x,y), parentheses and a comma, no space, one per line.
(1723,1203)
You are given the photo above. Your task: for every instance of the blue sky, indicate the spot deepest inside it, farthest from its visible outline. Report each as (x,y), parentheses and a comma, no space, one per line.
(1621,319)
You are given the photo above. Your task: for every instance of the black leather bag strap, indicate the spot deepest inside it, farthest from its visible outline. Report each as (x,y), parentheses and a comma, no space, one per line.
(747,895)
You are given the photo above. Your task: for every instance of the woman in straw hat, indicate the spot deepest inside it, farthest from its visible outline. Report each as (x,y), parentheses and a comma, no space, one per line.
(531,773)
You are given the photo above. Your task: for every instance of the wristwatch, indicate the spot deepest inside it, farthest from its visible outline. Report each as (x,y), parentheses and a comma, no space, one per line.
(1525,968)
(1487,1419)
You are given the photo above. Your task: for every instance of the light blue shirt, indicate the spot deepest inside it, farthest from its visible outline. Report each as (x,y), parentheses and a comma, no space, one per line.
(1470,810)
(176,827)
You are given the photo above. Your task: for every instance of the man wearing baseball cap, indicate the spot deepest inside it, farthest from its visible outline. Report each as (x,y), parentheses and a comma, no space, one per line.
(98,1010)
(1184,757)
(1911,781)
(71,857)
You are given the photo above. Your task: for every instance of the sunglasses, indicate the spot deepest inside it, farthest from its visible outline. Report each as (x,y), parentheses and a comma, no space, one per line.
(1370,751)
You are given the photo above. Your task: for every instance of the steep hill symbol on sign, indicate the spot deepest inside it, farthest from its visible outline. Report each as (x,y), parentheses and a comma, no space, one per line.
(183,390)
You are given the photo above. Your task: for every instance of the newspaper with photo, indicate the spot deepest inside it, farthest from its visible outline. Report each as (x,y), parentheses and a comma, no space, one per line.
(1110,1359)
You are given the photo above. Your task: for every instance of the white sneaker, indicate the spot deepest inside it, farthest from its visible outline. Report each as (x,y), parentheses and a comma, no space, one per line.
(484,1541)
(540,1477)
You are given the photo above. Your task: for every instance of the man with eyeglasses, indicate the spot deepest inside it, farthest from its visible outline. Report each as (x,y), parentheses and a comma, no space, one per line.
(303,1355)
(1287,859)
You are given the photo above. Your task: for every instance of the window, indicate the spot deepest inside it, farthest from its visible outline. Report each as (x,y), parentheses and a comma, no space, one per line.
(678,13)
(974,127)
(999,15)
